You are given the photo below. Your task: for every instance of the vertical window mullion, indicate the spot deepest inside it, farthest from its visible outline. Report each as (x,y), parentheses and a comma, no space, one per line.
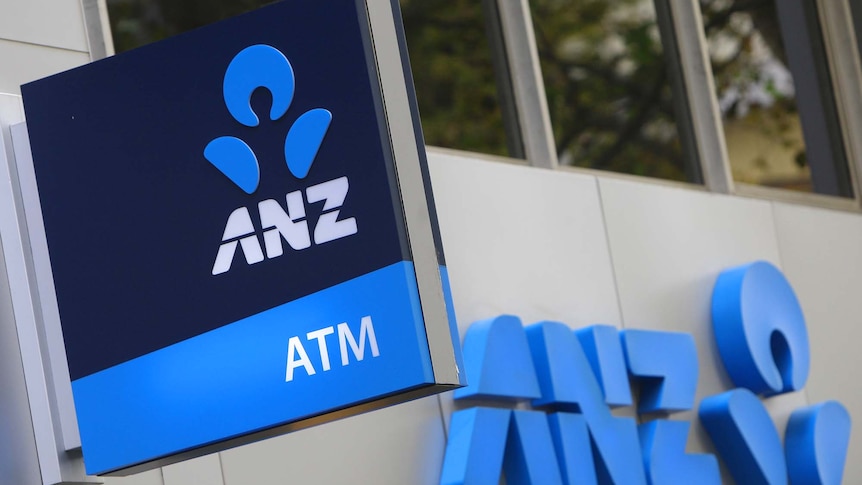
(843,48)
(700,96)
(684,122)
(503,79)
(459,75)
(98,29)
(799,23)
(613,87)
(776,95)
(528,86)
(857,23)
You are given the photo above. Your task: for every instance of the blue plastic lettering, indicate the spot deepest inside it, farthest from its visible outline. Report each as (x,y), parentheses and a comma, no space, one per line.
(477,442)
(665,460)
(572,377)
(530,457)
(665,364)
(498,362)
(568,384)
(483,442)
(574,452)
(601,343)
(760,330)
(745,437)
(815,444)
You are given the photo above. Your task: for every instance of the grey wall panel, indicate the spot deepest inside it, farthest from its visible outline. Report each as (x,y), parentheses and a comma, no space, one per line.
(52,23)
(18,458)
(11,112)
(522,241)
(399,445)
(551,245)
(821,251)
(205,470)
(23,63)
(533,243)
(152,477)
(668,246)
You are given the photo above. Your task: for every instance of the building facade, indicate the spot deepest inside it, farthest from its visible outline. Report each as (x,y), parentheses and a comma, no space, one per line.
(528,232)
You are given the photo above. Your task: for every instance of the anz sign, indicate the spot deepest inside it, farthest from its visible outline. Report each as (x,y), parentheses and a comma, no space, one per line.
(263,66)
(571,380)
(240,233)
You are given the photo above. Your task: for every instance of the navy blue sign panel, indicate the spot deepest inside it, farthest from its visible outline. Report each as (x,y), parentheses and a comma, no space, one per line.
(225,233)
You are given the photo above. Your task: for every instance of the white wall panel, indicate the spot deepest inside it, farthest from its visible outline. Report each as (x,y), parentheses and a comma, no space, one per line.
(11,112)
(21,63)
(822,255)
(205,470)
(522,241)
(399,445)
(668,246)
(18,456)
(11,109)
(53,23)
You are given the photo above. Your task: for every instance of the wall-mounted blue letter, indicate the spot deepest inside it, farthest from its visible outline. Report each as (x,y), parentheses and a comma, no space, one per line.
(568,384)
(497,361)
(816,444)
(745,436)
(760,330)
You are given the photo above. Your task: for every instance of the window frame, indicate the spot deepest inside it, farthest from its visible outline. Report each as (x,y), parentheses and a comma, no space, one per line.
(843,69)
(528,85)
(845,66)
(845,75)
(838,24)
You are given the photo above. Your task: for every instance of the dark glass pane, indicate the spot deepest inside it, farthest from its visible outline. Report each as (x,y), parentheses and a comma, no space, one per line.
(138,22)
(450,55)
(454,74)
(756,94)
(856,6)
(608,87)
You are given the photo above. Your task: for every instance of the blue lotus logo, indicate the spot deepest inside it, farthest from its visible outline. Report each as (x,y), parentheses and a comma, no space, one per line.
(263,66)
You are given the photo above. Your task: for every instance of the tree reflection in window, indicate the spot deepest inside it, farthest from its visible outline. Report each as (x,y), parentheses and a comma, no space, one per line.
(139,22)
(608,87)
(756,93)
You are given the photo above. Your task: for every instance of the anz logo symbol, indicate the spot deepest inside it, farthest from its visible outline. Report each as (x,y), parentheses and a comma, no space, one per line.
(263,66)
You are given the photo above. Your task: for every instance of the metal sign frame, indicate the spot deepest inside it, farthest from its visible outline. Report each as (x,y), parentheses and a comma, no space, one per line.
(384,38)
